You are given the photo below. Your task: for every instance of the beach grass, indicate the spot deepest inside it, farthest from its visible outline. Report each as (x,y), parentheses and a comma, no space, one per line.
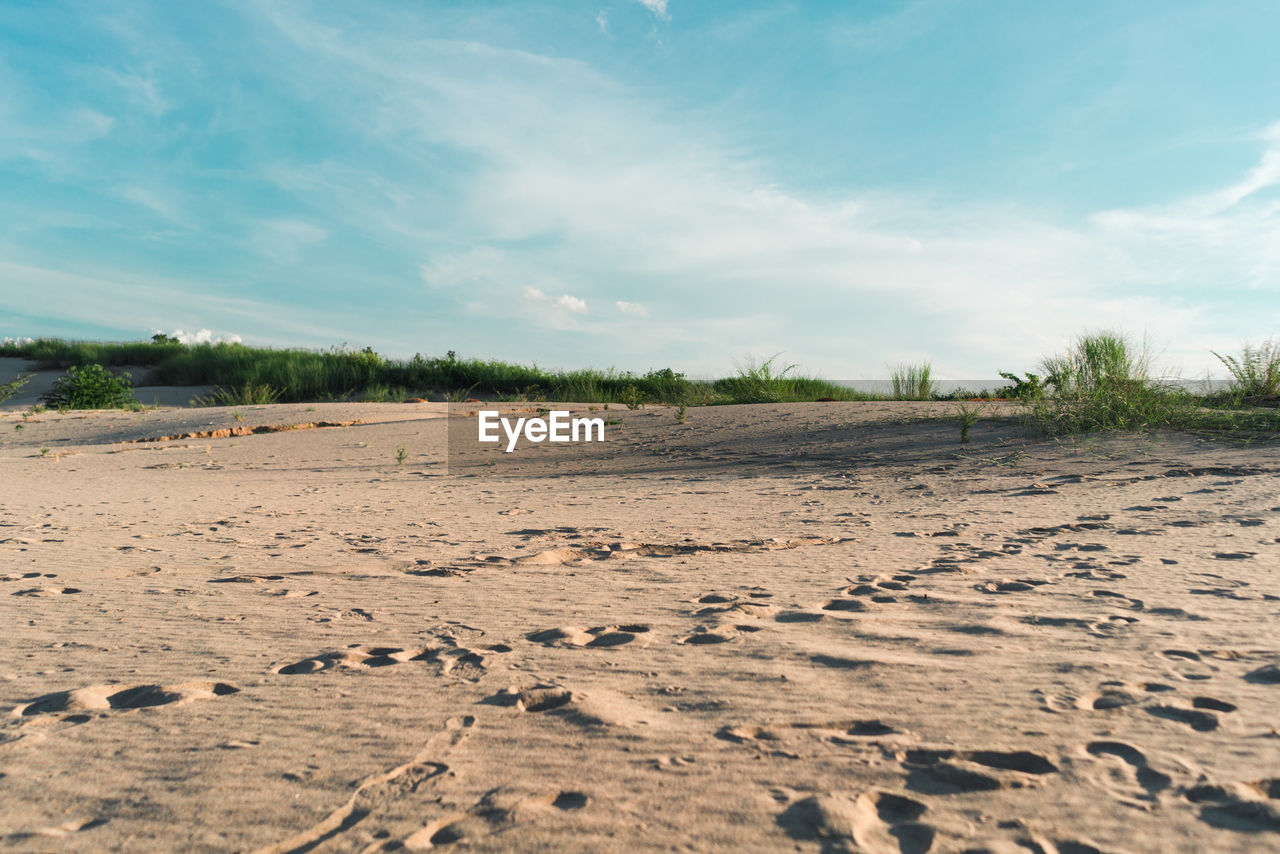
(1104,382)
(244,375)
(1255,373)
(913,382)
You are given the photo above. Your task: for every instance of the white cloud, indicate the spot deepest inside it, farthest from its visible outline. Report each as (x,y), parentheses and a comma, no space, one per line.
(631,308)
(568,302)
(602,21)
(572,303)
(657,7)
(573,183)
(203,336)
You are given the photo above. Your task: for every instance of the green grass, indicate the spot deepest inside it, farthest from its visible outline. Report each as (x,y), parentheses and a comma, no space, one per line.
(1255,374)
(244,375)
(1102,382)
(249,394)
(913,382)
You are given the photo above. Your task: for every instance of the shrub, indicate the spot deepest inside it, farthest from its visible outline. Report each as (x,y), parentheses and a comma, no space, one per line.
(632,397)
(91,387)
(1020,389)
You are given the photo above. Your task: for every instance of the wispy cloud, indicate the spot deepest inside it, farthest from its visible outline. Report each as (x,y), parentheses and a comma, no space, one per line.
(657,7)
(481,184)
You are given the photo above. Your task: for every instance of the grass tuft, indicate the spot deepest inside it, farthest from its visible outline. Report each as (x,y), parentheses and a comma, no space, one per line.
(248,394)
(1255,375)
(913,382)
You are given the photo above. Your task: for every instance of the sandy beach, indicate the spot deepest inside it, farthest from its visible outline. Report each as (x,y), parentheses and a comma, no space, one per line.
(813,627)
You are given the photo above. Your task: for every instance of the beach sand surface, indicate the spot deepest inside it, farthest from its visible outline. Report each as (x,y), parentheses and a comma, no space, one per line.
(810,627)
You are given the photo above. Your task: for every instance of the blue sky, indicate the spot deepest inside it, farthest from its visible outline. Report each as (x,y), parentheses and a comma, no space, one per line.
(644,184)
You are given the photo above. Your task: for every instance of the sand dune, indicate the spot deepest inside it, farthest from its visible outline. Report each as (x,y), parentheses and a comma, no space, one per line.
(823,627)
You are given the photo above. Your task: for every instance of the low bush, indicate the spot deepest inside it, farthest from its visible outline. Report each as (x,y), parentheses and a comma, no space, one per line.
(91,387)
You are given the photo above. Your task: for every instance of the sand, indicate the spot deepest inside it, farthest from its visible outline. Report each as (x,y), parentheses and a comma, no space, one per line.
(817,627)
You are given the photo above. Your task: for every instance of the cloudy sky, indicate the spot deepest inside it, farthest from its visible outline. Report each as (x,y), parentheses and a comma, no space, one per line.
(644,183)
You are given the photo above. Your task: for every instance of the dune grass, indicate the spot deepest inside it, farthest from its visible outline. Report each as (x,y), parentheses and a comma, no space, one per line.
(1104,382)
(246,375)
(1255,374)
(913,382)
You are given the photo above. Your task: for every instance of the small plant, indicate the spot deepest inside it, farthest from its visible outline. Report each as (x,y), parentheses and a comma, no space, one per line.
(913,382)
(44,452)
(968,418)
(91,387)
(17,426)
(11,389)
(402,454)
(632,397)
(238,416)
(682,414)
(1255,375)
(460,395)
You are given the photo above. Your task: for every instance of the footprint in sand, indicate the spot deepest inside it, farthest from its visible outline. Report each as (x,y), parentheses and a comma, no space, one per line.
(46,591)
(1200,717)
(1268,674)
(1020,585)
(451,660)
(946,771)
(600,637)
(709,635)
(1119,599)
(83,704)
(1127,766)
(842,732)
(1245,807)
(590,710)
(499,811)
(876,822)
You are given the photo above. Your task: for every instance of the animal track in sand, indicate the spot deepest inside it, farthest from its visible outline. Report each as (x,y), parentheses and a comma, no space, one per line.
(876,822)
(600,637)
(83,704)
(452,660)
